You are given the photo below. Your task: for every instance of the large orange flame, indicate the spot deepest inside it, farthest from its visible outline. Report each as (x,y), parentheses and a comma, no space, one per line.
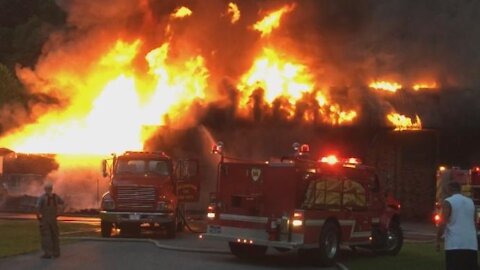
(121,110)
(277,77)
(284,79)
(402,122)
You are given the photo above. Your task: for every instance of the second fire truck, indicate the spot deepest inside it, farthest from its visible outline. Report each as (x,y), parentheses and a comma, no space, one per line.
(297,203)
(469,180)
(147,188)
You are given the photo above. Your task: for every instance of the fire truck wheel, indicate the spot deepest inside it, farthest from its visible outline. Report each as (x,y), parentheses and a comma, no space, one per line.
(394,241)
(247,251)
(329,244)
(106,228)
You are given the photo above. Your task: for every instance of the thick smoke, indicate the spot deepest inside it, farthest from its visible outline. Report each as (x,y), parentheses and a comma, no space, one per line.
(79,181)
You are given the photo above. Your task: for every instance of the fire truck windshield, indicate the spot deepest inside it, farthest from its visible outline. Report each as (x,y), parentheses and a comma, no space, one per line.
(139,166)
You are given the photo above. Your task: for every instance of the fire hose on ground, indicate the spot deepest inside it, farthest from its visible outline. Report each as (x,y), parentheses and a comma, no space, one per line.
(185,223)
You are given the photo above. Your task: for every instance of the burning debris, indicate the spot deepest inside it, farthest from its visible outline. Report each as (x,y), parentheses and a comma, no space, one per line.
(272,20)
(182,12)
(234,12)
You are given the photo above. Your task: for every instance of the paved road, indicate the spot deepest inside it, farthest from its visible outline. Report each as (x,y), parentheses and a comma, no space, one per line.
(95,255)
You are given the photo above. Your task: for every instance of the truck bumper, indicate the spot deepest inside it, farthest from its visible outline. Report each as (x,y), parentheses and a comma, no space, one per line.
(255,237)
(136,217)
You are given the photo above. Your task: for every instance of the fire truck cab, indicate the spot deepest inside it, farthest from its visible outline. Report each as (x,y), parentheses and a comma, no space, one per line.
(297,203)
(469,180)
(147,188)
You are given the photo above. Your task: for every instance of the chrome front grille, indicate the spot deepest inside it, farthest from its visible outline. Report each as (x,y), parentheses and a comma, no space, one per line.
(135,198)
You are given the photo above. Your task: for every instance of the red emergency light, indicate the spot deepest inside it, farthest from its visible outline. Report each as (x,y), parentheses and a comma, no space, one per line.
(331,160)
(437,218)
(352,160)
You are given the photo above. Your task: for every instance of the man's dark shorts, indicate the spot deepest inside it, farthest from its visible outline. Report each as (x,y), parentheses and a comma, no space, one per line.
(461,259)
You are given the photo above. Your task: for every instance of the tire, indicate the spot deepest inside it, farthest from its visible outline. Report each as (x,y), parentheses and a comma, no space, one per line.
(106,229)
(329,244)
(247,251)
(393,241)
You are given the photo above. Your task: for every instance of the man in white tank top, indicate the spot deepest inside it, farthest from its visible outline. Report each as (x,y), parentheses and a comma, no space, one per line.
(458,226)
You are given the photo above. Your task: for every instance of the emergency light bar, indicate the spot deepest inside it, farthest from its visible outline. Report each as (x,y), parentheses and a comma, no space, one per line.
(332,160)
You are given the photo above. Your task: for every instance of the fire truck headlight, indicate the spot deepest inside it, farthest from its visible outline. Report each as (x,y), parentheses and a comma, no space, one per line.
(164,206)
(297,223)
(211,215)
(107,202)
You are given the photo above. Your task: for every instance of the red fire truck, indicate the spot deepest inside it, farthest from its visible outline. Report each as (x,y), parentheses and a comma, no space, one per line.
(469,180)
(298,203)
(147,188)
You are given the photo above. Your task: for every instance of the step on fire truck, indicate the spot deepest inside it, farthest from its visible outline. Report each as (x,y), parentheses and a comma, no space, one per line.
(302,204)
(147,188)
(469,180)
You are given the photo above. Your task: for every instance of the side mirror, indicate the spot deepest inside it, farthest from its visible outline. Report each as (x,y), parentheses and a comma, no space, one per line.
(104,168)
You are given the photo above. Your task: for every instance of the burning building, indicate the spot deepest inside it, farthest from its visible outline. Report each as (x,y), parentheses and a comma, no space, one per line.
(270,71)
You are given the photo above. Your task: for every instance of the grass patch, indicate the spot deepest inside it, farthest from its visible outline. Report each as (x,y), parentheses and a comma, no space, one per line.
(413,256)
(22,236)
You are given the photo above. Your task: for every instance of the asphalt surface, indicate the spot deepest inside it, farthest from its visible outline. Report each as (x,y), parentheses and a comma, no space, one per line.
(120,255)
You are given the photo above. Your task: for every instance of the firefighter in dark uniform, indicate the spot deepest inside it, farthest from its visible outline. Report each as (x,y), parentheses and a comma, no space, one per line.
(48,207)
